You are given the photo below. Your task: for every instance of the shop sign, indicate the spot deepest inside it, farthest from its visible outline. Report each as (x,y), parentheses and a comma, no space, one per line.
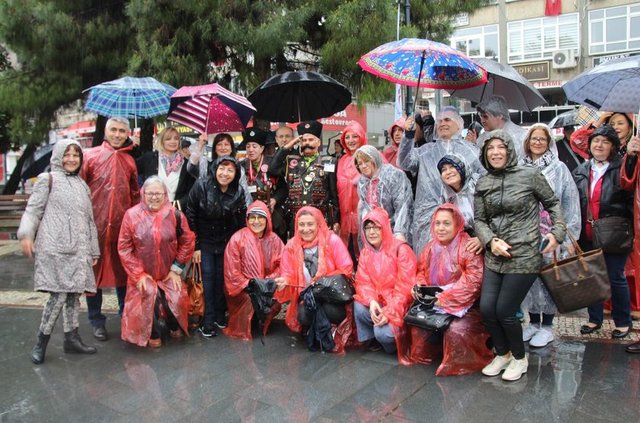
(534,71)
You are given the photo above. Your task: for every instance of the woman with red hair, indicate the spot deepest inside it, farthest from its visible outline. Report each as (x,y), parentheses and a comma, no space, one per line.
(352,138)
(252,252)
(313,252)
(445,262)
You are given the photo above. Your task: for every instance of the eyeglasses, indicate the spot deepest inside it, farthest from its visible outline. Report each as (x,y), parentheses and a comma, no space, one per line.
(372,228)
(538,140)
(153,194)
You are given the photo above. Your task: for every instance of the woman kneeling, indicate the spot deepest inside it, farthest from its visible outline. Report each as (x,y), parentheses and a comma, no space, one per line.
(154,247)
(445,262)
(387,268)
(252,252)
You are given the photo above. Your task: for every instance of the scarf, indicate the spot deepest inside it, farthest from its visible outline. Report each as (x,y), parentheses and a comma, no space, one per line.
(541,162)
(171,162)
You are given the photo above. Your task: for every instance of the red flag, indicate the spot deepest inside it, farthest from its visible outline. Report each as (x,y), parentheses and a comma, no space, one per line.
(553,7)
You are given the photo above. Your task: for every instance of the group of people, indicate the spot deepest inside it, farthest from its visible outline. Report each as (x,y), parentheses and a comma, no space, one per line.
(475,216)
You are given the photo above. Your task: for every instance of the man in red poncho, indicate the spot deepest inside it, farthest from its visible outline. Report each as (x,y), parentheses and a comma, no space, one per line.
(154,248)
(352,138)
(252,252)
(630,180)
(384,279)
(110,171)
(314,252)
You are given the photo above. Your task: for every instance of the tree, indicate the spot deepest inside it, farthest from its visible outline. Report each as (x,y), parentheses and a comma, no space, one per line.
(62,47)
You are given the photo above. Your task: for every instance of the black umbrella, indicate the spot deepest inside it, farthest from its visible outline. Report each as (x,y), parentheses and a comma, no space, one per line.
(40,164)
(299,96)
(564,119)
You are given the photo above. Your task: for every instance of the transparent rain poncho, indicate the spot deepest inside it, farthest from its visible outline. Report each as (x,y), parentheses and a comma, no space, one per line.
(559,177)
(423,161)
(390,189)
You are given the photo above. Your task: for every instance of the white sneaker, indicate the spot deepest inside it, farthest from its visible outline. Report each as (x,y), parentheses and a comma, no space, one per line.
(497,365)
(529,332)
(542,338)
(516,369)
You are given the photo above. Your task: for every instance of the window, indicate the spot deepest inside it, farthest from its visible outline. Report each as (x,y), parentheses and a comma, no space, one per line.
(479,41)
(614,30)
(539,38)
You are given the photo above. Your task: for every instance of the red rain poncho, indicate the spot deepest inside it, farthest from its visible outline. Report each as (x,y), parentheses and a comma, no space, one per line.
(148,247)
(348,177)
(245,257)
(632,272)
(113,179)
(386,275)
(333,259)
(390,153)
(464,346)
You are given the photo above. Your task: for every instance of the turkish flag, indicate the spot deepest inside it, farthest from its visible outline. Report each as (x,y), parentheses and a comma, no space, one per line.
(553,7)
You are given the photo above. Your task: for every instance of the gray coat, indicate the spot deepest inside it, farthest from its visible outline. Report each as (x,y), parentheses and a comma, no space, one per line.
(506,207)
(60,220)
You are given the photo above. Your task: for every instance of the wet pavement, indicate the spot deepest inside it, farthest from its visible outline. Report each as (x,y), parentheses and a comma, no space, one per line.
(225,380)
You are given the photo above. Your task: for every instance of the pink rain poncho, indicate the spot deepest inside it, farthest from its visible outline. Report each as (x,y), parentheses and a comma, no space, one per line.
(245,257)
(631,182)
(113,180)
(386,275)
(348,177)
(390,153)
(333,259)
(459,272)
(148,246)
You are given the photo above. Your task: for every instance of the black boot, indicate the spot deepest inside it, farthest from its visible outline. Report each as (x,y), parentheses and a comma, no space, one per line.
(38,351)
(73,344)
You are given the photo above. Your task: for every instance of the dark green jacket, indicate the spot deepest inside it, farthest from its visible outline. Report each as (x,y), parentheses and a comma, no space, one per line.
(507,207)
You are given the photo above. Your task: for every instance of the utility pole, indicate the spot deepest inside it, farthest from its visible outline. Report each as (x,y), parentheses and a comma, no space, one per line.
(407,21)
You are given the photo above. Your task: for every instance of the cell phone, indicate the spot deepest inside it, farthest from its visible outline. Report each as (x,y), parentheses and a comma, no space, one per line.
(544,243)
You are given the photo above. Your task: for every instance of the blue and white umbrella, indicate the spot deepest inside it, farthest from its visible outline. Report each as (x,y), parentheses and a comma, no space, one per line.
(130,97)
(613,86)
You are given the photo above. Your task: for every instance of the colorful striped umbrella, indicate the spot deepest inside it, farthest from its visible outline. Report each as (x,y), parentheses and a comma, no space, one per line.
(210,109)
(416,62)
(130,97)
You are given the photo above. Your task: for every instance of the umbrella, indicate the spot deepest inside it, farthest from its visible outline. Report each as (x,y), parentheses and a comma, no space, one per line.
(41,162)
(210,108)
(130,97)
(505,81)
(564,119)
(612,86)
(416,62)
(299,96)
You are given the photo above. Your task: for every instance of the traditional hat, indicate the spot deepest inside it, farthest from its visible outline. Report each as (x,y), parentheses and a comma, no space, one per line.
(310,127)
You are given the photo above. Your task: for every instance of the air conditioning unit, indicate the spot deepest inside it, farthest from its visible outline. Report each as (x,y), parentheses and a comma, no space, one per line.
(564,59)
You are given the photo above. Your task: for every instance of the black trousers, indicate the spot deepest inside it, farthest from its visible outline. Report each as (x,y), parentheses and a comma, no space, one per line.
(336,313)
(500,299)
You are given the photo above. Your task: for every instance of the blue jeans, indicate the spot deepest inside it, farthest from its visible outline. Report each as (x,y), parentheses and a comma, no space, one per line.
(366,330)
(620,298)
(94,306)
(215,303)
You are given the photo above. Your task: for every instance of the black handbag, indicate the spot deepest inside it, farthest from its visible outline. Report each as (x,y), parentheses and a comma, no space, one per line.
(421,312)
(614,234)
(333,289)
(579,281)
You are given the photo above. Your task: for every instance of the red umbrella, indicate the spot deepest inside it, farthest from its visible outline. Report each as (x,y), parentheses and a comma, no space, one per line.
(210,109)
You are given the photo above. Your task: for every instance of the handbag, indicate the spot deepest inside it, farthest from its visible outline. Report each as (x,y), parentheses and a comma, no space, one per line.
(195,290)
(614,234)
(579,281)
(335,289)
(422,314)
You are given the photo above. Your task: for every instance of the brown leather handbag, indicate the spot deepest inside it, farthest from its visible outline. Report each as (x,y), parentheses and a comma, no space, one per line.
(579,281)
(195,290)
